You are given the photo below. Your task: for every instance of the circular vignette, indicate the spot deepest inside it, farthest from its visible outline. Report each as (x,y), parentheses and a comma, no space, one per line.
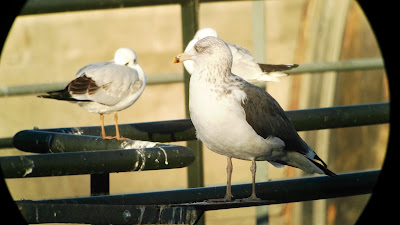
(377,210)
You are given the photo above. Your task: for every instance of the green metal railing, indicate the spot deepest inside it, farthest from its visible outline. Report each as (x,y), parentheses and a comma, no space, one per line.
(177,206)
(348,65)
(183,130)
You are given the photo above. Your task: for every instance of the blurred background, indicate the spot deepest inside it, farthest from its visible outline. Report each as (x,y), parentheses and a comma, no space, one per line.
(50,48)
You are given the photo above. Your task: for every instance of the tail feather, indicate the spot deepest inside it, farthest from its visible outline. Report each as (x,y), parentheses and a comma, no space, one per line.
(300,161)
(323,167)
(268,68)
(58,95)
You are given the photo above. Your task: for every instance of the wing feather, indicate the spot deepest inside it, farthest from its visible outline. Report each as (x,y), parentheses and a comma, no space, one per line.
(104,83)
(274,122)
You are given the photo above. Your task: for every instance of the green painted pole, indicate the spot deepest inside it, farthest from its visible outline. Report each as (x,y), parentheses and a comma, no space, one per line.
(187,205)
(259,43)
(342,66)
(96,162)
(183,130)
(189,13)
(272,192)
(35,213)
(190,24)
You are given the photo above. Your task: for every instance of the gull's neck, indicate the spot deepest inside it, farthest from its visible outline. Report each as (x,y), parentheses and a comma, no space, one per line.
(215,71)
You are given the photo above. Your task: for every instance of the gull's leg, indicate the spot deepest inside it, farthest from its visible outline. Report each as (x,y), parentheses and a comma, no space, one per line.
(118,137)
(228,193)
(253,170)
(229,168)
(103,132)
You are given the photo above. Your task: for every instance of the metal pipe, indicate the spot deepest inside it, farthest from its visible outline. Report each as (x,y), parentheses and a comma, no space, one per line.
(183,130)
(96,162)
(55,6)
(31,89)
(52,142)
(349,65)
(35,213)
(303,120)
(340,66)
(271,192)
(340,116)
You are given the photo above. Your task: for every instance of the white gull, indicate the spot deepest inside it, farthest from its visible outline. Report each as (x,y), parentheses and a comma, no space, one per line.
(237,119)
(244,64)
(106,87)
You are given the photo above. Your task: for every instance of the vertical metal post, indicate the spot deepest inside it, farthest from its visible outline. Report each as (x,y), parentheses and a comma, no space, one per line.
(259,38)
(190,24)
(189,12)
(99,184)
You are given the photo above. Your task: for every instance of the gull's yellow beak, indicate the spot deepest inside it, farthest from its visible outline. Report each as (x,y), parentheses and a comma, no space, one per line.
(176,60)
(182,57)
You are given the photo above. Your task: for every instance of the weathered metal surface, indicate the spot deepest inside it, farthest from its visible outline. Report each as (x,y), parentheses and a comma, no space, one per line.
(159,131)
(96,162)
(272,192)
(52,142)
(183,130)
(340,66)
(35,213)
(54,6)
(340,116)
(303,120)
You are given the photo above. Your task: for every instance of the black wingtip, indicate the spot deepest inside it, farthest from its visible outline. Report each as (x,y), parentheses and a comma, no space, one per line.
(323,167)
(277,67)
(58,95)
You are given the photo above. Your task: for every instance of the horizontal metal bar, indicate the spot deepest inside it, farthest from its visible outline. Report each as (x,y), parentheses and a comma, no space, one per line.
(96,162)
(340,116)
(306,119)
(31,89)
(340,66)
(54,6)
(183,130)
(271,192)
(35,213)
(349,65)
(51,142)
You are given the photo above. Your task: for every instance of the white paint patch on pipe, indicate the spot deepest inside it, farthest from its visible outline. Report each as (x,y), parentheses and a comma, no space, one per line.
(28,164)
(166,156)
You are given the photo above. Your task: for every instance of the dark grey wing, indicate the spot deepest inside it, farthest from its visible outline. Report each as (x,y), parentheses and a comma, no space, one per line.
(267,68)
(267,118)
(80,85)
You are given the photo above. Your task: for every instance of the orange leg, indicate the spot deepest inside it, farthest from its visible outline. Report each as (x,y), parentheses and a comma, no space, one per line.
(103,131)
(118,137)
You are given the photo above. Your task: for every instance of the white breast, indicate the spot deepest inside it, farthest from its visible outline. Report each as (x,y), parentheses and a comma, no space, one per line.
(221,124)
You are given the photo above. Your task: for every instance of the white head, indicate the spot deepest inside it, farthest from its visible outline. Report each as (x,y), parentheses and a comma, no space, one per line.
(205,32)
(211,51)
(125,56)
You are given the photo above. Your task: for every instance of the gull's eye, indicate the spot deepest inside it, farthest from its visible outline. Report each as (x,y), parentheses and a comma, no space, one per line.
(197,48)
